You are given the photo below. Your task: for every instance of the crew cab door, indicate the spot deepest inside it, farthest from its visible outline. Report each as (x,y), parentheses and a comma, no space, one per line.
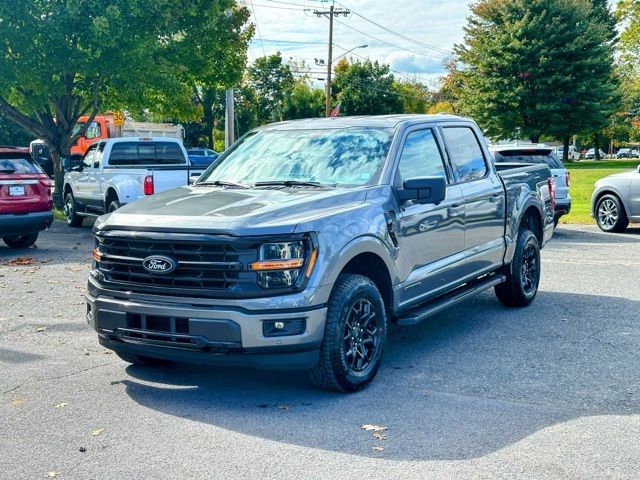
(94,183)
(430,237)
(82,179)
(484,199)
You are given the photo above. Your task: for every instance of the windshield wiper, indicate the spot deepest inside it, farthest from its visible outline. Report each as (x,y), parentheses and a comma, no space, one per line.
(7,170)
(221,183)
(289,183)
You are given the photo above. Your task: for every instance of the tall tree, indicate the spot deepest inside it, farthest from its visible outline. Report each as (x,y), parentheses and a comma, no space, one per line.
(273,81)
(416,97)
(304,101)
(366,88)
(13,134)
(534,67)
(60,60)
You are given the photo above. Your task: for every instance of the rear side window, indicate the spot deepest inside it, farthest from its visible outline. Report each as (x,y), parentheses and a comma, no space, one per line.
(465,153)
(19,165)
(528,156)
(146,153)
(421,156)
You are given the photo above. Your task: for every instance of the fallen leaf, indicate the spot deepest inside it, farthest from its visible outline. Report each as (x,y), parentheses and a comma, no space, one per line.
(52,474)
(373,428)
(283,407)
(379,436)
(97,431)
(61,405)
(41,329)
(82,449)
(22,261)
(378,448)
(115,382)
(17,401)
(106,351)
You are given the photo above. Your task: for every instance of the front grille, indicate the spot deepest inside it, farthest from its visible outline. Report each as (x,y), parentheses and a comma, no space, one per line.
(207,266)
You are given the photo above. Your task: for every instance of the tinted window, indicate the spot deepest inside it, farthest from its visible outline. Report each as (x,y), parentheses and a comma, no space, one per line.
(146,153)
(465,153)
(19,165)
(528,156)
(421,156)
(342,156)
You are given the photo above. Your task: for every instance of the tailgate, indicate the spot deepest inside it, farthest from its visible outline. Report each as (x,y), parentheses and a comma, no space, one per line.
(172,177)
(559,177)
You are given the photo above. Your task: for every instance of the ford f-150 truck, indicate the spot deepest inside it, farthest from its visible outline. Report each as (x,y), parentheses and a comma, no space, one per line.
(118,171)
(305,239)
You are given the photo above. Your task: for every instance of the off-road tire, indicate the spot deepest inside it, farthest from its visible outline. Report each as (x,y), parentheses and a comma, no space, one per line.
(521,285)
(351,294)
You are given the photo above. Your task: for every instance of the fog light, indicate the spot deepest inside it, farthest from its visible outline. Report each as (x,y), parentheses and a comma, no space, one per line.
(284,328)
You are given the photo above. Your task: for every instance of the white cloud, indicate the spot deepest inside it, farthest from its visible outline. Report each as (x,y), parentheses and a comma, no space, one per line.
(437,23)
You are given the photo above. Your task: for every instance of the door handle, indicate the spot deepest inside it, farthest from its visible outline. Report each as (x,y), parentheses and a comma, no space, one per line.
(454,211)
(495,198)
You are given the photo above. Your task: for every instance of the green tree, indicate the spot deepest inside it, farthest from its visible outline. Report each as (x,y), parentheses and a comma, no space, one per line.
(13,134)
(61,60)
(272,81)
(416,97)
(304,101)
(366,88)
(534,67)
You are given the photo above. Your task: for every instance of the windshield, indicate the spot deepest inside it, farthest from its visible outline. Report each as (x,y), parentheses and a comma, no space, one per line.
(345,157)
(528,156)
(93,130)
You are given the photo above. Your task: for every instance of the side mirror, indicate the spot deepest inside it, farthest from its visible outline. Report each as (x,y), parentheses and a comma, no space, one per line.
(424,190)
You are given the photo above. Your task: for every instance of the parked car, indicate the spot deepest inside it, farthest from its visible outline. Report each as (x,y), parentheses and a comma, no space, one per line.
(25,198)
(539,153)
(41,154)
(573,154)
(308,237)
(591,154)
(627,153)
(201,157)
(615,201)
(118,171)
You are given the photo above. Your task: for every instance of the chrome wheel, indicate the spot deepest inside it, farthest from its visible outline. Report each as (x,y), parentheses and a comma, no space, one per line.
(529,277)
(361,336)
(608,214)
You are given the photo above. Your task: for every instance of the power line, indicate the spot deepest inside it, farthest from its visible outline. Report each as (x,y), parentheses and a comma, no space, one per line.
(400,35)
(255,18)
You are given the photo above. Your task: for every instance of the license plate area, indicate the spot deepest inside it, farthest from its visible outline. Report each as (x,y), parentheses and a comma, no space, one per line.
(16,190)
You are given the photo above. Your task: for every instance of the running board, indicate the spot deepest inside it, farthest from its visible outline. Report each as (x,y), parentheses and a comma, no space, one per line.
(421,313)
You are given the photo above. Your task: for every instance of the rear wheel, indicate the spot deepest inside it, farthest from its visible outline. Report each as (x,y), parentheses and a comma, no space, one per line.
(70,212)
(610,214)
(142,360)
(521,285)
(113,206)
(22,241)
(354,338)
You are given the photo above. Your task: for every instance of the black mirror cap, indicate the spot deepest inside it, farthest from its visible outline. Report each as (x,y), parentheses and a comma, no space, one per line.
(424,190)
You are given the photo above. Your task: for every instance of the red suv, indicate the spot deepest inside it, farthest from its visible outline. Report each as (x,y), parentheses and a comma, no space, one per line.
(25,198)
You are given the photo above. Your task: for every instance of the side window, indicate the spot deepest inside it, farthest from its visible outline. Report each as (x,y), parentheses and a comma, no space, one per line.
(93,131)
(97,158)
(421,156)
(465,153)
(87,160)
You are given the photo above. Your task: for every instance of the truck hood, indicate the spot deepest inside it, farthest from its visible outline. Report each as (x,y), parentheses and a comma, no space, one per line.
(231,211)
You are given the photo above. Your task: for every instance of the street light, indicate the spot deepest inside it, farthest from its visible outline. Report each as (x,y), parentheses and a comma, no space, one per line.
(348,52)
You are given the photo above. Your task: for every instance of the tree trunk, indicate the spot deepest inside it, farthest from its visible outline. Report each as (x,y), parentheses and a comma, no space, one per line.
(208,97)
(58,178)
(596,145)
(534,138)
(565,149)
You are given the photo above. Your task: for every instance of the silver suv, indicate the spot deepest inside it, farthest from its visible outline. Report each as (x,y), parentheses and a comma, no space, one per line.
(539,153)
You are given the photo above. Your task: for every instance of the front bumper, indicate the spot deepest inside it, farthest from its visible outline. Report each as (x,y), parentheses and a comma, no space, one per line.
(204,334)
(17,224)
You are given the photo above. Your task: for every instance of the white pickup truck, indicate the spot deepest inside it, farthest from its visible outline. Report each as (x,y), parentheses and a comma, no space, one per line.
(118,171)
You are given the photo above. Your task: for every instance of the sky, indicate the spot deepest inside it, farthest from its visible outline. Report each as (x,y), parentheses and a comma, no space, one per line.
(412,36)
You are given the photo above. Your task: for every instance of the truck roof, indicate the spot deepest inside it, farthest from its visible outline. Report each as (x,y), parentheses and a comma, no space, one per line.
(143,139)
(379,121)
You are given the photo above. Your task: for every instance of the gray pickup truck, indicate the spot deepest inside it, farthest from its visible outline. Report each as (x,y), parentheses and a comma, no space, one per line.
(304,240)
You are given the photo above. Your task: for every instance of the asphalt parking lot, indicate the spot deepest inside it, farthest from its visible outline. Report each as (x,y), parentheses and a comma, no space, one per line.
(479,391)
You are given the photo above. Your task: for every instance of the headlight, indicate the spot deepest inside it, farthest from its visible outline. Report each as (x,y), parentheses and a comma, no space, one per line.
(280,265)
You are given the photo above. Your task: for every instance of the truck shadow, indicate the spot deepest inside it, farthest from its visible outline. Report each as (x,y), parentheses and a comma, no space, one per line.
(467,383)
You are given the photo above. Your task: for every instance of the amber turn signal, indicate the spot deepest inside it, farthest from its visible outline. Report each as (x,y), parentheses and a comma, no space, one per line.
(277,264)
(312,262)
(97,256)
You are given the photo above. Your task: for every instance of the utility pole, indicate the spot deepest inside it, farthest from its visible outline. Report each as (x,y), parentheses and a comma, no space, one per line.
(229,120)
(330,14)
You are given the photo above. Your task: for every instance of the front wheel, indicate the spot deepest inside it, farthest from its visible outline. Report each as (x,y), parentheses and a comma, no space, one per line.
(354,338)
(610,214)
(521,285)
(113,206)
(70,212)
(22,241)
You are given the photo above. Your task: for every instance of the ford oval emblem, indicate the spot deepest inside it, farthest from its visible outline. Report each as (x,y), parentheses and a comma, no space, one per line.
(159,264)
